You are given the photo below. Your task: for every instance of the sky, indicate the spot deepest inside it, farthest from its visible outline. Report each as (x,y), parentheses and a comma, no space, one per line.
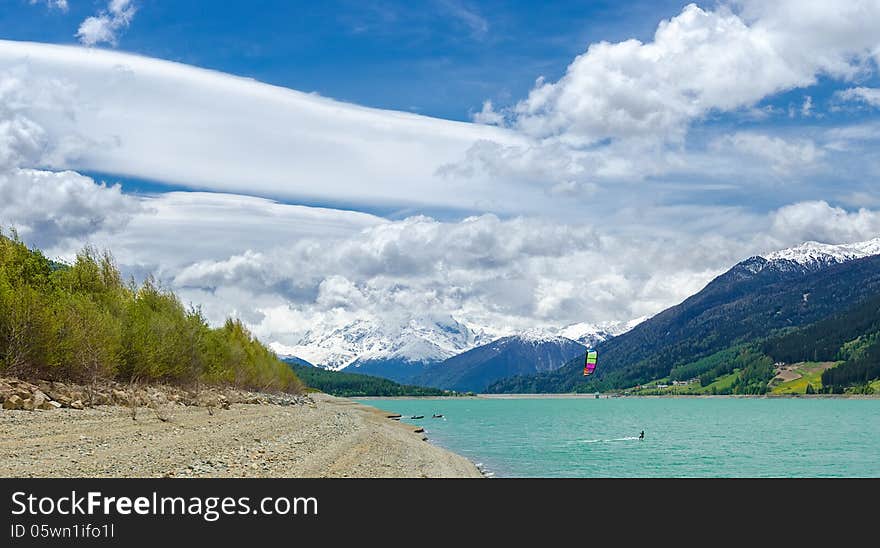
(508,165)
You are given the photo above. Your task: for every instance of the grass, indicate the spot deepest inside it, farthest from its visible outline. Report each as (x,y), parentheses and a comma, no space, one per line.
(722,385)
(811,373)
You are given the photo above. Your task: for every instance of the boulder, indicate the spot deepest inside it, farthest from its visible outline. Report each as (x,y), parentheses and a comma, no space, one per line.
(61,398)
(76,404)
(41,400)
(12,402)
(27,404)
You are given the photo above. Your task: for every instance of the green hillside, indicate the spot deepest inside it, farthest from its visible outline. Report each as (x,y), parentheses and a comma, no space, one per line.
(729,325)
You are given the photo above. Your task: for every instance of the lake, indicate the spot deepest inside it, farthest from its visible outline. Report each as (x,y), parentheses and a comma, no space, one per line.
(684,437)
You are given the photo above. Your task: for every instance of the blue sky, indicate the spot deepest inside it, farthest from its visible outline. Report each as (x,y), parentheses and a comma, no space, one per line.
(436,57)
(662,140)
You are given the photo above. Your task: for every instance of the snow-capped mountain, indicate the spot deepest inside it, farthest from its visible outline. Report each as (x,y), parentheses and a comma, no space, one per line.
(803,259)
(591,334)
(403,352)
(815,255)
(417,341)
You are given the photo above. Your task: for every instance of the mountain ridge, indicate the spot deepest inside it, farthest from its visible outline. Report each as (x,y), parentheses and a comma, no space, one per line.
(741,304)
(477,368)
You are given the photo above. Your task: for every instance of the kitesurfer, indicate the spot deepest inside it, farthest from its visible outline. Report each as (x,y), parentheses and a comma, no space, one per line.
(642,435)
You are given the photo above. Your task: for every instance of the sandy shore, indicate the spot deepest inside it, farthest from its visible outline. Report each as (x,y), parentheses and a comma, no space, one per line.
(335,437)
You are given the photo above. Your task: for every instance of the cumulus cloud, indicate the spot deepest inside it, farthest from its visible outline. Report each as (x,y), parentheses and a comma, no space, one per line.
(624,110)
(819,221)
(488,115)
(699,61)
(496,275)
(597,196)
(104,27)
(48,208)
(482,270)
(869,96)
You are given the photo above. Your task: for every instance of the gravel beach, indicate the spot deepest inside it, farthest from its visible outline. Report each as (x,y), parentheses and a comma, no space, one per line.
(334,437)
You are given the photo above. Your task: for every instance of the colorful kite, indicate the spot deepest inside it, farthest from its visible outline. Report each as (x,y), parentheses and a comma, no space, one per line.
(590,362)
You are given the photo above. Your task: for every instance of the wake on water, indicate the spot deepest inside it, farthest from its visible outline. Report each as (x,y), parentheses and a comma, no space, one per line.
(627,438)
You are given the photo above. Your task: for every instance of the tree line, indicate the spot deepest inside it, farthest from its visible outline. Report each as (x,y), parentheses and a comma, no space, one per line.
(341,383)
(83,322)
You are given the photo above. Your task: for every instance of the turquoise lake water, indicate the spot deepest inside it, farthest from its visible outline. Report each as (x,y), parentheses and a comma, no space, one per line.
(712,437)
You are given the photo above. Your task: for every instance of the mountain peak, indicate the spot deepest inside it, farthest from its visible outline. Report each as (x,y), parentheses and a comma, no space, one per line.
(537,336)
(817,255)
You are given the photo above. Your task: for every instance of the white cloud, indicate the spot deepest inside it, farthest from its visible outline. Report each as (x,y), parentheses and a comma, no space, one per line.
(488,115)
(807,106)
(783,156)
(49,208)
(699,61)
(624,111)
(488,272)
(225,133)
(493,274)
(470,17)
(603,191)
(52,4)
(177,230)
(869,96)
(105,26)
(822,222)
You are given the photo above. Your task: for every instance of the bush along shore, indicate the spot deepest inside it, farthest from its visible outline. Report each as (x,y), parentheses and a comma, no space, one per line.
(82,336)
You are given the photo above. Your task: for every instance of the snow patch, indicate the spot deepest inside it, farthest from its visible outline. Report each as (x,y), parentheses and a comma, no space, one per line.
(818,255)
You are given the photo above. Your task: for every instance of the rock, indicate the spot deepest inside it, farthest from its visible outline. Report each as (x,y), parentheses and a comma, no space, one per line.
(223,402)
(60,397)
(76,404)
(40,399)
(12,402)
(53,405)
(27,404)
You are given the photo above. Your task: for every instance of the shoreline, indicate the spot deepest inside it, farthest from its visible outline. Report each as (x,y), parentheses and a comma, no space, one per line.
(551,396)
(560,396)
(333,437)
